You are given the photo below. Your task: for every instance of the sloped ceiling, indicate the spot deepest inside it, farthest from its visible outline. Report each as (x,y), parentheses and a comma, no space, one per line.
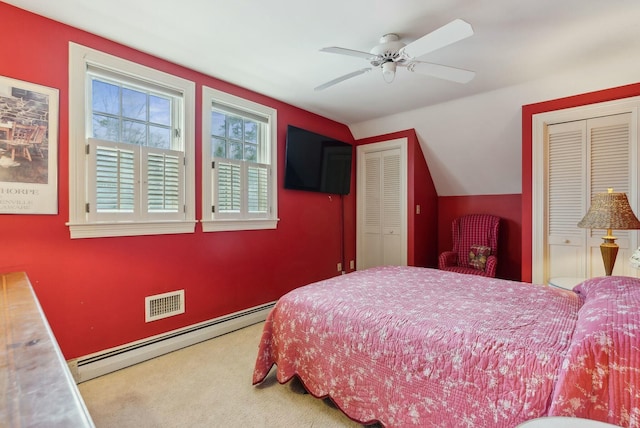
(521,51)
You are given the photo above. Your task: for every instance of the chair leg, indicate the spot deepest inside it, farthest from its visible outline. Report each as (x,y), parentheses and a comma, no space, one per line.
(26,153)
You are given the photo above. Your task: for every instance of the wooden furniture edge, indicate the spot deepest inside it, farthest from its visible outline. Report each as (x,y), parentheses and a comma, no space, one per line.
(37,386)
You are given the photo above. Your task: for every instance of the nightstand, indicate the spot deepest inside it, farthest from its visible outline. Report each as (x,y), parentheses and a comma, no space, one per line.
(564,422)
(566,282)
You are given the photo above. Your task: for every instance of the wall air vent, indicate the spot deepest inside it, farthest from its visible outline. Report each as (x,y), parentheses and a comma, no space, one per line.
(164,305)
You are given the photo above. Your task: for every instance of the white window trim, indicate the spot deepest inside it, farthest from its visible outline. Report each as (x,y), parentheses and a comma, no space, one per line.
(220,225)
(79,224)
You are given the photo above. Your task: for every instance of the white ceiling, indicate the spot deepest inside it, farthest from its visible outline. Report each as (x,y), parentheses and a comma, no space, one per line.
(522,51)
(272,47)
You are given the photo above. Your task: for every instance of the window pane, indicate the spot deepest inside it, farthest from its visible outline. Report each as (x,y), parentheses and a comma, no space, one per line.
(134,133)
(106,128)
(105,97)
(218,122)
(235,151)
(251,152)
(159,137)
(235,127)
(134,104)
(250,132)
(160,110)
(218,148)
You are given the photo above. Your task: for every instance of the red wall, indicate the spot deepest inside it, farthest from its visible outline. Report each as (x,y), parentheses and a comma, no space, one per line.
(421,228)
(425,224)
(527,122)
(93,290)
(508,207)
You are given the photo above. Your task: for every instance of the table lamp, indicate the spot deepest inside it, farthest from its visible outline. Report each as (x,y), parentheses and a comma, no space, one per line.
(609,211)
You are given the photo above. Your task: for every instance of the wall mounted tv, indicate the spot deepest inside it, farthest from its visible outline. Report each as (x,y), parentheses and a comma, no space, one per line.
(317,163)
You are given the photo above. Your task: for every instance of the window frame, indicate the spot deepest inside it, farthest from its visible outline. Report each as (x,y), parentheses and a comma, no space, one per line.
(83,225)
(212,222)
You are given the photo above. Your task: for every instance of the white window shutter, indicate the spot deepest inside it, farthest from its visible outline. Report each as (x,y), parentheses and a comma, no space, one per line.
(257,190)
(164,178)
(112,192)
(229,187)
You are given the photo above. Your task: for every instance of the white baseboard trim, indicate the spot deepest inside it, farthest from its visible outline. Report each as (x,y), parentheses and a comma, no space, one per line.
(110,360)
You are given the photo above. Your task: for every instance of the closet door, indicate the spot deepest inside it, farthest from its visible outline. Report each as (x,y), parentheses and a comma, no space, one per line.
(382,215)
(391,209)
(584,158)
(609,167)
(371,214)
(566,200)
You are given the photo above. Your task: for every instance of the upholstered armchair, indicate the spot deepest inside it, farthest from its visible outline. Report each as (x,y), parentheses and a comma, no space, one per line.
(475,245)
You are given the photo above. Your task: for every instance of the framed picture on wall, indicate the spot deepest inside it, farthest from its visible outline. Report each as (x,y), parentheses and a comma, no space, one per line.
(28,148)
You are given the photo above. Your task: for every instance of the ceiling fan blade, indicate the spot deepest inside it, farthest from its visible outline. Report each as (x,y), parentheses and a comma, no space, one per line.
(442,71)
(349,52)
(342,78)
(450,33)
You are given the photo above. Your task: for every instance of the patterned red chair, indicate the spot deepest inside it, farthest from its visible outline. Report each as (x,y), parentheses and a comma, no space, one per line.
(475,245)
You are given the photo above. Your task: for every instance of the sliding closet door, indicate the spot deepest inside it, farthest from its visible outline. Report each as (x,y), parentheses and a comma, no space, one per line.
(584,158)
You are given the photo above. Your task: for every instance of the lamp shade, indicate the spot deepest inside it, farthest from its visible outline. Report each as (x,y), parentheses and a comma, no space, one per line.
(610,211)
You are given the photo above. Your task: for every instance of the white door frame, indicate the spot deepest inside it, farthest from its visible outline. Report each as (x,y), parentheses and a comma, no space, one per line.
(540,123)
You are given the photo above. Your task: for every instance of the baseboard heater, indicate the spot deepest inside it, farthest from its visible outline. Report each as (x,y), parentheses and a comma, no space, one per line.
(110,360)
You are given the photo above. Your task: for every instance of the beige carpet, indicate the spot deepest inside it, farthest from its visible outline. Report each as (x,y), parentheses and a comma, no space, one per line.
(205,385)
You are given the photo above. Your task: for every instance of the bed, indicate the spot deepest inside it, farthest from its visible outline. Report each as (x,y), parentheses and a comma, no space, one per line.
(410,346)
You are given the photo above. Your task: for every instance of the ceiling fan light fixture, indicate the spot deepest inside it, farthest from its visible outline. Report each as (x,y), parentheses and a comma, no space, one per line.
(389,71)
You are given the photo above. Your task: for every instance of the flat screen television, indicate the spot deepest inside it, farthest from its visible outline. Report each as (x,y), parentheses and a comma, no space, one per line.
(317,163)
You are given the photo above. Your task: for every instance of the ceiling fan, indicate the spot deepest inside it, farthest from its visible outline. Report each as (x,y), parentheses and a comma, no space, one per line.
(392,53)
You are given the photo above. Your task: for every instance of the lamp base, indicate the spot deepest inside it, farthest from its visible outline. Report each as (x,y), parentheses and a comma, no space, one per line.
(609,251)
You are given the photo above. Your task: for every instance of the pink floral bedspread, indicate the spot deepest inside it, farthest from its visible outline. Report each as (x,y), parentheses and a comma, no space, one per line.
(410,346)
(600,375)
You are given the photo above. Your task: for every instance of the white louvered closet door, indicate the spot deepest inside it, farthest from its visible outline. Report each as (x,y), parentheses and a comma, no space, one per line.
(566,199)
(371,217)
(381,217)
(610,167)
(584,158)
(391,212)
